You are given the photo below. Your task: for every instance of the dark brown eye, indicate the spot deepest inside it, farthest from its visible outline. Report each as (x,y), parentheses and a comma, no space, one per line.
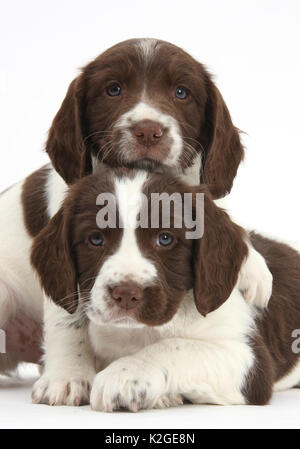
(96,239)
(164,239)
(114,90)
(181,93)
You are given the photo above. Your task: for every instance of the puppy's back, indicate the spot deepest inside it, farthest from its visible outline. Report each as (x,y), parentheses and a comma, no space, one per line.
(282,317)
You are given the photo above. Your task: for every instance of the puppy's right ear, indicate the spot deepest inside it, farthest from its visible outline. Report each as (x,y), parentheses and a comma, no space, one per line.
(52,259)
(65,145)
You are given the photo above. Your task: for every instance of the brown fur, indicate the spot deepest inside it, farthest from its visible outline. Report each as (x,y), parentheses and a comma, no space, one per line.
(87,114)
(52,250)
(35,202)
(258,385)
(282,316)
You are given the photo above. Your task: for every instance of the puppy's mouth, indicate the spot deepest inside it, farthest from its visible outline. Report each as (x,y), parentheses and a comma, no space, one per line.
(114,316)
(151,165)
(123,150)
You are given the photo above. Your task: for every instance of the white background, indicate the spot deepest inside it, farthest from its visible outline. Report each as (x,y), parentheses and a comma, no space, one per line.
(252,46)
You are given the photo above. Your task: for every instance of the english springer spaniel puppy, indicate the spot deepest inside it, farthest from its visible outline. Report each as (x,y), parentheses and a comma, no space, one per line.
(149,317)
(144,104)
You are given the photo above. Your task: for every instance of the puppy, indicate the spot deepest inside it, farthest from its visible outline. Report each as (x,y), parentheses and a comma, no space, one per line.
(148,316)
(143,103)
(146,102)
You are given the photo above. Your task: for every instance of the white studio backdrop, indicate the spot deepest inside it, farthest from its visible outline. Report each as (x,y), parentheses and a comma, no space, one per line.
(252,47)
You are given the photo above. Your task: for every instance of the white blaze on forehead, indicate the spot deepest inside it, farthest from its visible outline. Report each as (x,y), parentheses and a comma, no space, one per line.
(146,47)
(127,263)
(144,111)
(128,193)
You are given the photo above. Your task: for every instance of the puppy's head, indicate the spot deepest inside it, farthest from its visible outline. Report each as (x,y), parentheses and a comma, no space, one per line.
(143,103)
(127,255)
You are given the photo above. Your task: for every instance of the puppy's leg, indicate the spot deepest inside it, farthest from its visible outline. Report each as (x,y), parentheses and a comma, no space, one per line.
(255,279)
(69,365)
(162,373)
(8,361)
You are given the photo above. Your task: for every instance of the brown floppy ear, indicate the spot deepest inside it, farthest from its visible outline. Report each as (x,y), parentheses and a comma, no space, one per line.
(220,140)
(218,257)
(52,259)
(65,144)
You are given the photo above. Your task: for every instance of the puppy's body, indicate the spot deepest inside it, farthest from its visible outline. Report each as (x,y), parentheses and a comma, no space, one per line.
(25,209)
(162,350)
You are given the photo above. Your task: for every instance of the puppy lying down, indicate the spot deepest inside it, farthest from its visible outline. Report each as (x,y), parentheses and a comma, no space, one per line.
(149,317)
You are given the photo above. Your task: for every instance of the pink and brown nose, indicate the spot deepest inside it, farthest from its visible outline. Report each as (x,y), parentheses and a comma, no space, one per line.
(147,132)
(127,296)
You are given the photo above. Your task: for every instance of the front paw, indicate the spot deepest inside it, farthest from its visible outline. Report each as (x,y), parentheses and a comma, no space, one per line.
(61,391)
(127,384)
(255,280)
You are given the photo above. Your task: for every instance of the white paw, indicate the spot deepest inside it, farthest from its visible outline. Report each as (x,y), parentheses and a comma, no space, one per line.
(255,280)
(61,391)
(129,384)
(169,400)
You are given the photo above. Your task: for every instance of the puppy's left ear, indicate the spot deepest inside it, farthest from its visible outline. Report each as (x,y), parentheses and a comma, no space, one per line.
(218,257)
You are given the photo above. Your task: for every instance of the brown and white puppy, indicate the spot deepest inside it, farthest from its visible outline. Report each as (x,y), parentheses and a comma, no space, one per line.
(154,316)
(146,102)
(143,103)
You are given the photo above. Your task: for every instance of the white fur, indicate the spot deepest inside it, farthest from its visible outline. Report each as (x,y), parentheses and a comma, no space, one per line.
(20,291)
(56,190)
(255,280)
(147,48)
(204,359)
(69,367)
(18,284)
(145,111)
(191,175)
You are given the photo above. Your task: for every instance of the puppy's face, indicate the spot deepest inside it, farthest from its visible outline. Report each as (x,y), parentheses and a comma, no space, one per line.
(135,272)
(144,103)
(133,275)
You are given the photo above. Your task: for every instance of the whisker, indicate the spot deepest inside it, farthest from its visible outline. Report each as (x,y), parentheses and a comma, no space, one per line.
(60,300)
(97,133)
(89,279)
(186,124)
(103,149)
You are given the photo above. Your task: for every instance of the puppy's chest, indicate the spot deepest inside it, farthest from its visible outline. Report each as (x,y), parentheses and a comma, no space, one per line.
(231,323)
(110,342)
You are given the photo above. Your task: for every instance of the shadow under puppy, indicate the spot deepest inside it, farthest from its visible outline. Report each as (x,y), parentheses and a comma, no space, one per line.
(148,317)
